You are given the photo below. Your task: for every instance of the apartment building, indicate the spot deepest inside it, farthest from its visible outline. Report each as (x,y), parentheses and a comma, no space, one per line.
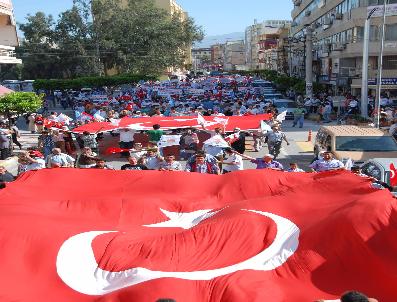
(8,34)
(217,56)
(255,38)
(338,32)
(201,59)
(234,55)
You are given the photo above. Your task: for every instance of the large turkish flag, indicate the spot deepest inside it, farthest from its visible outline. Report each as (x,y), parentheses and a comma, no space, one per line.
(90,235)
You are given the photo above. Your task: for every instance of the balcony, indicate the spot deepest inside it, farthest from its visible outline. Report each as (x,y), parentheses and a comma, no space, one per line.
(7,55)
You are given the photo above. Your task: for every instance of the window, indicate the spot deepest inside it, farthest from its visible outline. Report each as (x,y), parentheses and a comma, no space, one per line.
(372,170)
(390,62)
(366,143)
(391,32)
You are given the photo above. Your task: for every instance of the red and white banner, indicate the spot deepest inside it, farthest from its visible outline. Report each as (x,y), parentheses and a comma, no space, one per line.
(253,235)
(251,122)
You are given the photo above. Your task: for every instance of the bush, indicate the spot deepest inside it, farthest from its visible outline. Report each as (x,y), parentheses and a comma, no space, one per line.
(89,82)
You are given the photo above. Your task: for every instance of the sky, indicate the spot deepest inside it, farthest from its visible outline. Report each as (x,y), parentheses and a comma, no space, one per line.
(217,17)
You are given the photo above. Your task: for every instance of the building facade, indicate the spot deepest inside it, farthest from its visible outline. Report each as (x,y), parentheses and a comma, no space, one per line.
(234,55)
(217,56)
(8,34)
(201,59)
(255,39)
(338,32)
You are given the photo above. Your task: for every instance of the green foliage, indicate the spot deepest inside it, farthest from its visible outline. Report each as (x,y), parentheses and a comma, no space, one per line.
(90,82)
(95,36)
(17,103)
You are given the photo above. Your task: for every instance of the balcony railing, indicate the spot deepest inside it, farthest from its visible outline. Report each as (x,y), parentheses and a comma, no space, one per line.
(7,55)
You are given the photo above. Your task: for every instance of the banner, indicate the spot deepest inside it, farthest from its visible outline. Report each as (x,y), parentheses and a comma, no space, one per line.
(217,141)
(146,235)
(169,140)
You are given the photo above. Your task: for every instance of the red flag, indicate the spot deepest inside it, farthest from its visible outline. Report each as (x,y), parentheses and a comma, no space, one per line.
(113,150)
(393,176)
(144,235)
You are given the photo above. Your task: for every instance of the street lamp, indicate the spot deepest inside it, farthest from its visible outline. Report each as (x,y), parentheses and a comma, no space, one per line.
(364,83)
(380,66)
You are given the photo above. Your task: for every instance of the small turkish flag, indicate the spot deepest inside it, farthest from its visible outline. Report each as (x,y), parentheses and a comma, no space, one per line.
(393,176)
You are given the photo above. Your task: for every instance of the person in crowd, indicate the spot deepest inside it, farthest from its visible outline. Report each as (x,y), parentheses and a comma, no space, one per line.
(5,144)
(201,165)
(15,134)
(31,123)
(189,141)
(377,184)
(70,146)
(327,163)
(299,116)
(58,139)
(46,143)
(138,151)
(30,160)
(152,159)
(39,122)
(90,141)
(155,134)
(266,162)
(239,144)
(87,159)
(233,162)
(351,296)
(275,139)
(170,164)
(133,165)
(126,140)
(293,167)
(57,159)
(100,164)
(5,176)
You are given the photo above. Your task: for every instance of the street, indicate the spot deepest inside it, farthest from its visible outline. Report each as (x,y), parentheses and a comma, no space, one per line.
(299,150)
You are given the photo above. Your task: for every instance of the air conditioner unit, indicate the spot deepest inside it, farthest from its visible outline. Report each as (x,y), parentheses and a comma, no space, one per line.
(298,2)
(325,26)
(307,13)
(338,16)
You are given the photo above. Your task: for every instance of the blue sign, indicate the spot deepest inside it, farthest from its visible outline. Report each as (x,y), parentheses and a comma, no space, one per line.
(385,81)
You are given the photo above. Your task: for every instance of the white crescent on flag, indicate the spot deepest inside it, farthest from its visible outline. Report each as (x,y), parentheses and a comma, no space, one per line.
(78,268)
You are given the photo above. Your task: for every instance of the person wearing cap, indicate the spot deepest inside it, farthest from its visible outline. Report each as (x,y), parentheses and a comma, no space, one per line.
(327,163)
(233,162)
(266,162)
(30,160)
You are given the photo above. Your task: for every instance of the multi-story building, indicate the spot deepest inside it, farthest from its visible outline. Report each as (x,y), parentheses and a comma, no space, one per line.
(201,59)
(8,34)
(217,56)
(338,32)
(254,40)
(234,55)
(173,8)
(268,47)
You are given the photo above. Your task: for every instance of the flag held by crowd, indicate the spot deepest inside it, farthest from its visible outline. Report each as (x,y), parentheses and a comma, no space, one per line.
(248,236)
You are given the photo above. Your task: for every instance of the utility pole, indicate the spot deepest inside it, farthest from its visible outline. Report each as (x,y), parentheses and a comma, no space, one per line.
(364,83)
(380,66)
(309,62)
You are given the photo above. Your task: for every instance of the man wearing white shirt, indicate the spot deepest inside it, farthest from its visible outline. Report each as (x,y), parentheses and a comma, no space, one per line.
(126,139)
(233,162)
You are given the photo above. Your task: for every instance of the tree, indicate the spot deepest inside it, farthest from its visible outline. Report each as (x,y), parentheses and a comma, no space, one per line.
(96,35)
(18,103)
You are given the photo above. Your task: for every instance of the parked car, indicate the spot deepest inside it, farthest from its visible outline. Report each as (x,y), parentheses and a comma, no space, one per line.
(380,168)
(285,105)
(356,143)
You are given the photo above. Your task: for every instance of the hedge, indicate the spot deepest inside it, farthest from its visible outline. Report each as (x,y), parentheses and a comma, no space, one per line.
(89,82)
